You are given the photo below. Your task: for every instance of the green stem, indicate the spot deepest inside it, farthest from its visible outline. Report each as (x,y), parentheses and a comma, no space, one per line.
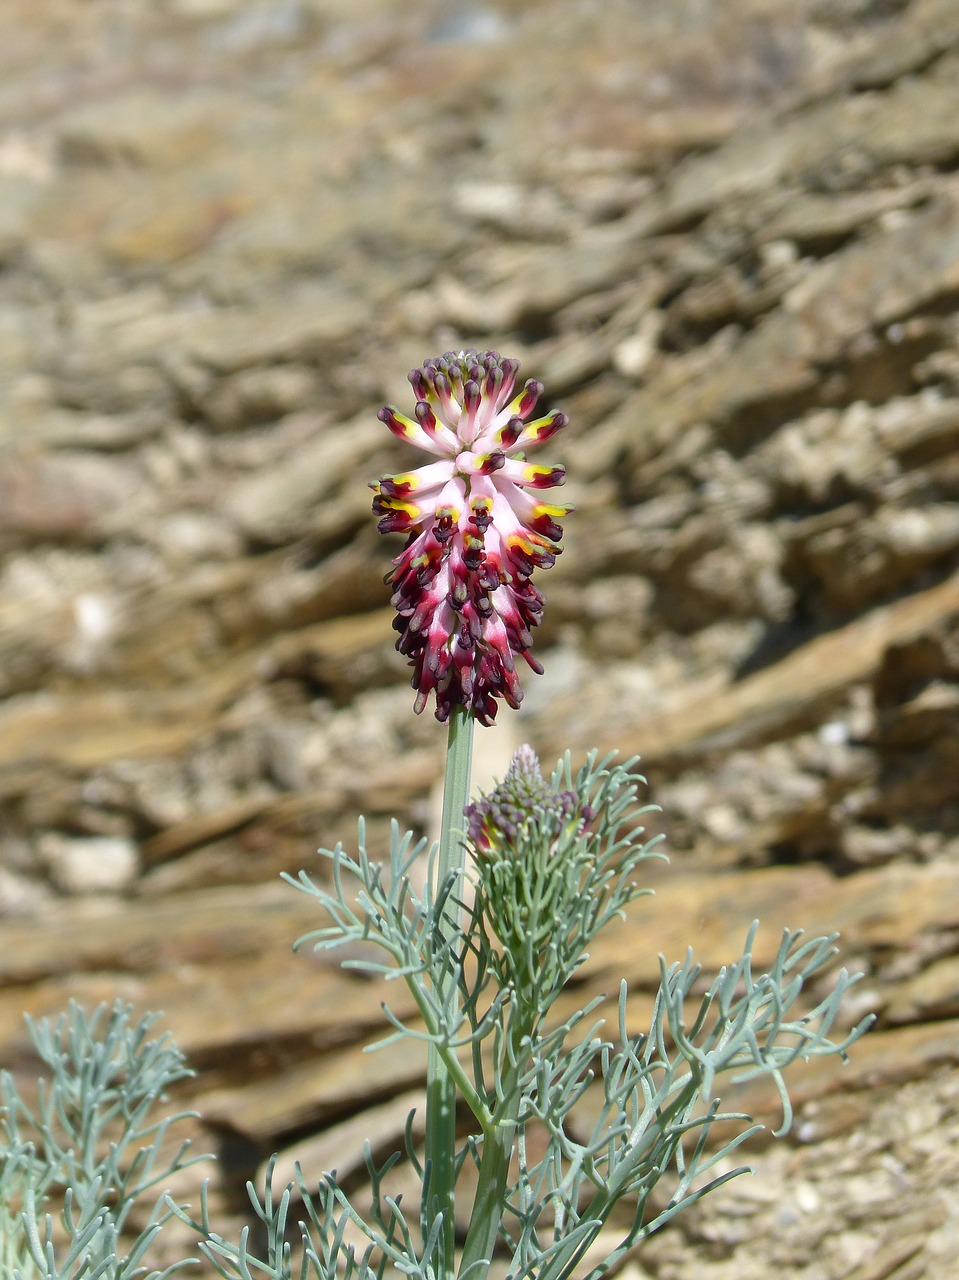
(440,1085)
(498,1142)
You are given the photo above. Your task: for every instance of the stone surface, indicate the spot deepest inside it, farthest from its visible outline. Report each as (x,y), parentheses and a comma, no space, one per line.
(90,864)
(726,236)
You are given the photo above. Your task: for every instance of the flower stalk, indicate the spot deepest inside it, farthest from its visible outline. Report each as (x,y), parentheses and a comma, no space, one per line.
(441,1091)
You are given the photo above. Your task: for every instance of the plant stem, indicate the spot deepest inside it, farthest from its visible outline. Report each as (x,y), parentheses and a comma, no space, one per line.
(499,1140)
(440,1086)
(498,1143)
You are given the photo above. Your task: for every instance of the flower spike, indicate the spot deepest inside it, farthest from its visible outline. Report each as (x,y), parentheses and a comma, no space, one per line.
(461,586)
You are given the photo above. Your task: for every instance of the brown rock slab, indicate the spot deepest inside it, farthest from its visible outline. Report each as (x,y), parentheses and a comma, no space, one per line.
(317,1091)
(932,994)
(286,1006)
(62,496)
(887,907)
(823,1093)
(340,1148)
(796,691)
(134,937)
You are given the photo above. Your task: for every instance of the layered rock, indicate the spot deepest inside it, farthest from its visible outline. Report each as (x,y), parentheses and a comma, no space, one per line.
(727,238)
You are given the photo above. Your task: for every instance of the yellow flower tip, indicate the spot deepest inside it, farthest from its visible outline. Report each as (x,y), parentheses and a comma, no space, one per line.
(551,510)
(542,476)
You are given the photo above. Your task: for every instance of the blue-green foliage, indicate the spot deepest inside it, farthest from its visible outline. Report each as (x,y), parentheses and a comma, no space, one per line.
(543,884)
(74,1164)
(518,1073)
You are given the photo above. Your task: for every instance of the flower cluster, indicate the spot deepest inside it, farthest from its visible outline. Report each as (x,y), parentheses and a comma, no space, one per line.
(462,586)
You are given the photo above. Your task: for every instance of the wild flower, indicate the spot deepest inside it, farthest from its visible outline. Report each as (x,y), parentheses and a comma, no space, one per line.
(462,587)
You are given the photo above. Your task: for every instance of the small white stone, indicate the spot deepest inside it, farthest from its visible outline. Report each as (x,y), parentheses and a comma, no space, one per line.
(89,864)
(632,356)
(776,255)
(807,1198)
(723,823)
(835,733)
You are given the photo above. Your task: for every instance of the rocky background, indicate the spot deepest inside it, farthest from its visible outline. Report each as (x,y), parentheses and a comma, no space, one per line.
(725,234)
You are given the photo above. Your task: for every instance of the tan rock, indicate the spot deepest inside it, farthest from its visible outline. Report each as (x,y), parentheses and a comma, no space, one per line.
(267,505)
(932,995)
(191,978)
(157,130)
(73,498)
(316,1091)
(796,690)
(340,1148)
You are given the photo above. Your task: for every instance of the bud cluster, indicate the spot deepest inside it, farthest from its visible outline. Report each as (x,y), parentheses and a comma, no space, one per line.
(531,847)
(499,822)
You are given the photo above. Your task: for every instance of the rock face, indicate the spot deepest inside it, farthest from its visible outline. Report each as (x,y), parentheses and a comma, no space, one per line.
(726,236)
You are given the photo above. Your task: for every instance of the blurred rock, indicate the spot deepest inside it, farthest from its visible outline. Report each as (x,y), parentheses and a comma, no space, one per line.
(143,128)
(21,895)
(91,864)
(726,237)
